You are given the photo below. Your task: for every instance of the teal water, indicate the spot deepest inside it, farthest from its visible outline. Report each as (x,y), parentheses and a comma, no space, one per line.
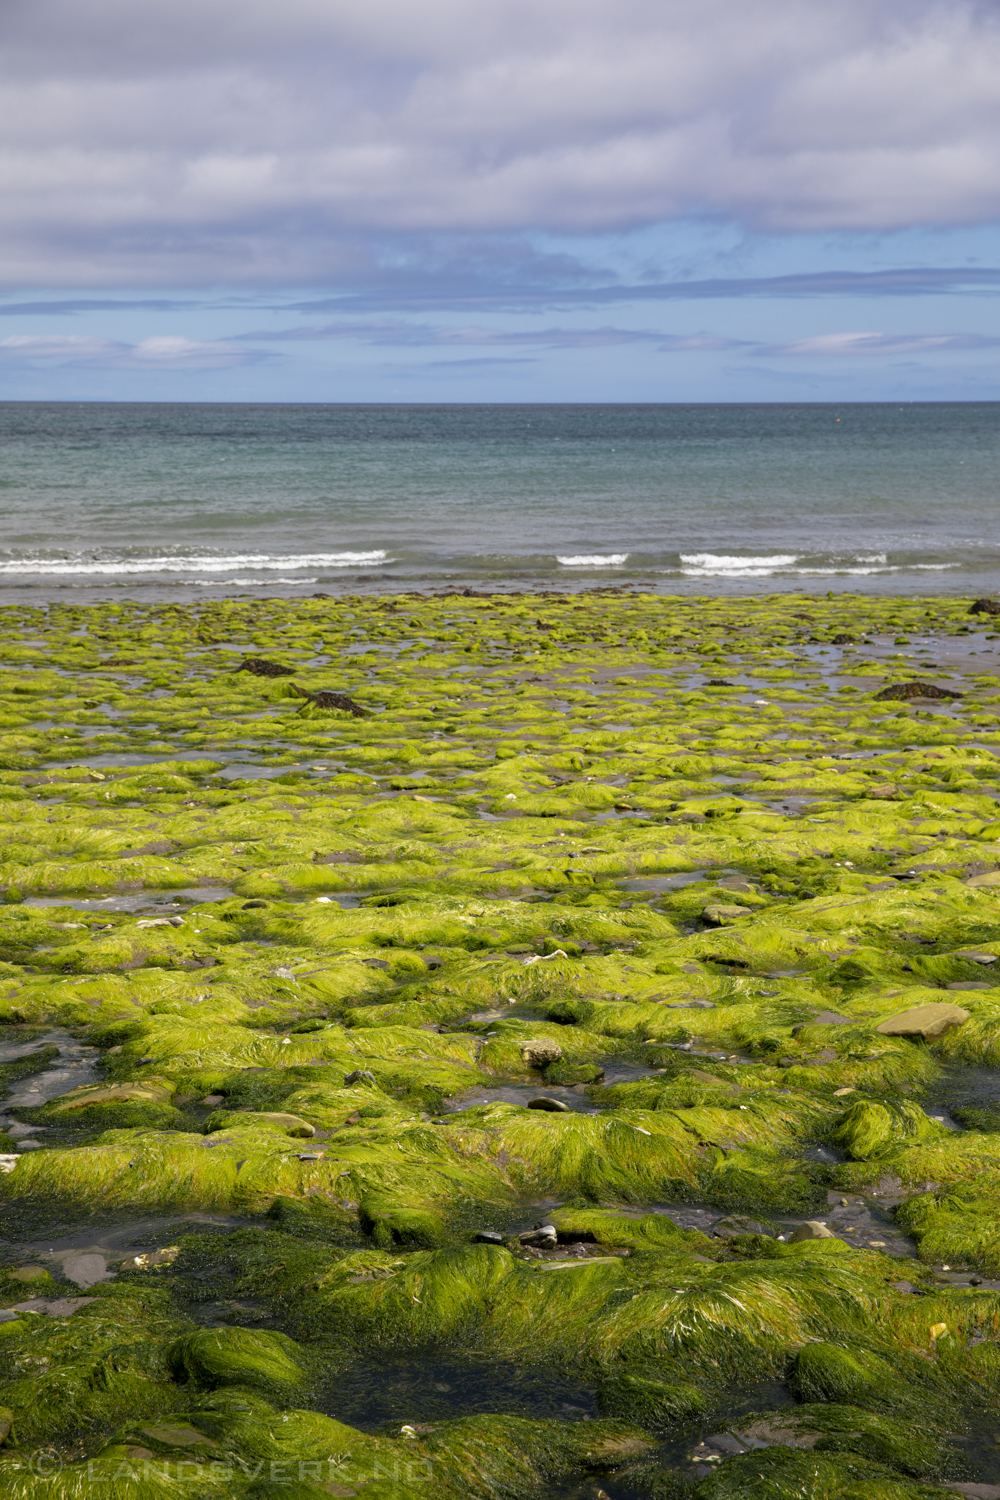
(194,501)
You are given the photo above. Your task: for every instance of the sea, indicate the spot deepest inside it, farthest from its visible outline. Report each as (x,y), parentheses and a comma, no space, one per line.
(186,502)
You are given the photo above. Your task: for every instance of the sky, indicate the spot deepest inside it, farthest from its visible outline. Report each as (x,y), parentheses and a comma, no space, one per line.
(496,200)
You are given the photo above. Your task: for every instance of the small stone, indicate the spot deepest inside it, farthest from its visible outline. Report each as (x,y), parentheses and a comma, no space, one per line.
(537,1053)
(211,1100)
(28,1145)
(554,1106)
(717,914)
(488,1237)
(927,1021)
(970,984)
(543,1237)
(812,1229)
(902,1286)
(8,1315)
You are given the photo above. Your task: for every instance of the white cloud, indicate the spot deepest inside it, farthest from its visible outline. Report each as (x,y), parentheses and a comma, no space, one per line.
(839,344)
(224,140)
(161,353)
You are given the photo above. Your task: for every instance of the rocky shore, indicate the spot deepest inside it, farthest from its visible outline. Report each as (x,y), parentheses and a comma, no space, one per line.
(488,1046)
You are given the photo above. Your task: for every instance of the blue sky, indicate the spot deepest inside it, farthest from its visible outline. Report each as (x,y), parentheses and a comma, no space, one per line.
(604,200)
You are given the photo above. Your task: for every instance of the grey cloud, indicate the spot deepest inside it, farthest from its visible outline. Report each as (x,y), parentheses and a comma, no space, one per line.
(223,141)
(422,335)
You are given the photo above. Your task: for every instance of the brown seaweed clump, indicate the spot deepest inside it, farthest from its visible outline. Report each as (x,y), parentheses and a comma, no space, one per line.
(985,607)
(261,667)
(915,689)
(325,698)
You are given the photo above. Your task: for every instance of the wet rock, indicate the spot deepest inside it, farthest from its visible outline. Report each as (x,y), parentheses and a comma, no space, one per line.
(30,1273)
(488,1237)
(8,1315)
(542,1237)
(357,1076)
(927,1021)
(537,1053)
(738,1224)
(974,1491)
(29,1145)
(152,1258)
(213,1099)
(842,639)
(326,698)
(554,1106)
(904,691)
(260,666)
(902,1286)
(984,607)
(970,984)
(812,1229)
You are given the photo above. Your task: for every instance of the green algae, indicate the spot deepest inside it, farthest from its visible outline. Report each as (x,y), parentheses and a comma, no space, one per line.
(679,907)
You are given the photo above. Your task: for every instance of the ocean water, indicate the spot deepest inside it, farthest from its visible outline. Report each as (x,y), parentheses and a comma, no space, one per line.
(183,502)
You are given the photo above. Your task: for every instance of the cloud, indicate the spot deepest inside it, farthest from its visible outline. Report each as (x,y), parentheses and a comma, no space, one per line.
(840,344)
(220,141)
(422,335)
(165,352)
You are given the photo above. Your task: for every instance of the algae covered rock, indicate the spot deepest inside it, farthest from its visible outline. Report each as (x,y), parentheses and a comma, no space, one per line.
(216,1357)
(867,1129)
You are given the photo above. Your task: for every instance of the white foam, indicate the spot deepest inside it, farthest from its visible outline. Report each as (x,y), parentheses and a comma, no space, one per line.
(710,562)
(594,560)
(192,563)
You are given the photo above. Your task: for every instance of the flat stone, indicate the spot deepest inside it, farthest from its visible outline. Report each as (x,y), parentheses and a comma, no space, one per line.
(970,984)
(85,1270)
(29,1273)
(977,958)
(53,1307)
(927,1021)
(213,1099)
(30,1146)
(974,1491)
(554,1106)
(812,1229)
(488,1237)
(8,1315)
(902,1286)
(992,877)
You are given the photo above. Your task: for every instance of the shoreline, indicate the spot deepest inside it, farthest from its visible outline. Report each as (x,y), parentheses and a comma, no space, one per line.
(536,1042)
